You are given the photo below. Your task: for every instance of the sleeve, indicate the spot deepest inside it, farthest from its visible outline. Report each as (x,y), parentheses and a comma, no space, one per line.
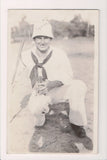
(65,73)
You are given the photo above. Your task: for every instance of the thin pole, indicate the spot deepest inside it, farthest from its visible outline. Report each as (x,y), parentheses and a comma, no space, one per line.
(18,59)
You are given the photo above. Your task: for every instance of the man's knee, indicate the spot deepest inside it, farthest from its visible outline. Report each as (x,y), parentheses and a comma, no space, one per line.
(79,85)
(77,88)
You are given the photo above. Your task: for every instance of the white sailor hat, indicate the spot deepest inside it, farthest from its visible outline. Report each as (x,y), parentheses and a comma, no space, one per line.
(42,29)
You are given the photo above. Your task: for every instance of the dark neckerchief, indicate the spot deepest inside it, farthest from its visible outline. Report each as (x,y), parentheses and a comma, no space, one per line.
(34,71)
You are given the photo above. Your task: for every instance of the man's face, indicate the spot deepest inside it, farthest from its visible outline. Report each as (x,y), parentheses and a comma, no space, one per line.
(42,43)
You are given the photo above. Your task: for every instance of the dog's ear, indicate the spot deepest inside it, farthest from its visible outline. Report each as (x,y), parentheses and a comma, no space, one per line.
(25,101)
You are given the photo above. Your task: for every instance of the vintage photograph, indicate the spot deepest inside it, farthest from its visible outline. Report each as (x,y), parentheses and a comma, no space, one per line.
(52,81)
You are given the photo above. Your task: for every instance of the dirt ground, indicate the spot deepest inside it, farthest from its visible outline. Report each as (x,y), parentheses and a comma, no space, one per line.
(23,137)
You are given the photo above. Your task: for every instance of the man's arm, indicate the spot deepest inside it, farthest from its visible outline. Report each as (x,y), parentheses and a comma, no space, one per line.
(53,84)
(61,68)
(49,85)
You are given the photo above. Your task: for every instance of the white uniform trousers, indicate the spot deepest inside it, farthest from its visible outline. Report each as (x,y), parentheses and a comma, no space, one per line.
(75,94)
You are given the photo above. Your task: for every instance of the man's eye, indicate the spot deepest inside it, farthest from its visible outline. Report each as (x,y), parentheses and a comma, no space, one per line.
(46,38)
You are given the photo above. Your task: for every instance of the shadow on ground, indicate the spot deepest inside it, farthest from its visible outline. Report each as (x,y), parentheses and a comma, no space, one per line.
(55,137)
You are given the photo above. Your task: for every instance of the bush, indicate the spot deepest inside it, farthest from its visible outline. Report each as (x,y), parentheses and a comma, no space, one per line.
(76,27)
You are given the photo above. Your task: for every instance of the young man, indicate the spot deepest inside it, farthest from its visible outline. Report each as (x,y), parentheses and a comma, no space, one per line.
(51,68)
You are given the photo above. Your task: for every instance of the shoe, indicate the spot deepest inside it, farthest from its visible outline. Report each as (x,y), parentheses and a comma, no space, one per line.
(79,130)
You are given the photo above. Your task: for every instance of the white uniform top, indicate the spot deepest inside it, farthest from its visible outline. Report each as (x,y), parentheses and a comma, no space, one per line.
(57,67)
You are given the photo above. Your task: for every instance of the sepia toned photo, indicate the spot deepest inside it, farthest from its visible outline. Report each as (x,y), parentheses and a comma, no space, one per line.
(52,81)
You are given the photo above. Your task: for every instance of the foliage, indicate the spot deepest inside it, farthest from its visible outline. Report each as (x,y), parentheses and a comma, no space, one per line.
(61,29)
(76,27)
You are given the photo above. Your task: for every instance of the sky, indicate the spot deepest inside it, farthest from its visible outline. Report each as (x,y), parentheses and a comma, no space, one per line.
(33,16)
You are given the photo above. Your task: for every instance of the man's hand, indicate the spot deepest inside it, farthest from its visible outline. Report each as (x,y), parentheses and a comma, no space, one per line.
(53,84)
(45,87)
(42,89)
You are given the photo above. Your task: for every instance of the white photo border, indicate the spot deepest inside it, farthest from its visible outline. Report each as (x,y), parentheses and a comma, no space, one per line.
(100,5)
